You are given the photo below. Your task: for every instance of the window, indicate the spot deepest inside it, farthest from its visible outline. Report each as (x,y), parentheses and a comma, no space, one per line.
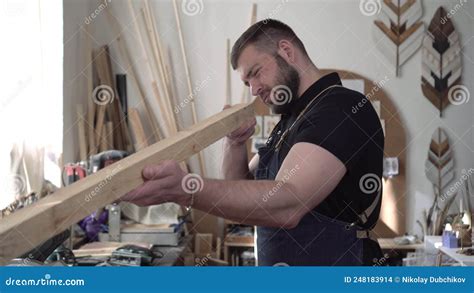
(31,79)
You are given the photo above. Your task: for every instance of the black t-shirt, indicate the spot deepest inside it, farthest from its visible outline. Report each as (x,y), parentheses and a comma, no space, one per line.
(343,122)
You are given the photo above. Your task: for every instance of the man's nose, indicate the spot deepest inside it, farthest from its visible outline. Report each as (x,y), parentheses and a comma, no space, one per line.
(255,88)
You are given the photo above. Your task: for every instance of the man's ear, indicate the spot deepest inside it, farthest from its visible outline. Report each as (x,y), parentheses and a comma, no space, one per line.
(286,51)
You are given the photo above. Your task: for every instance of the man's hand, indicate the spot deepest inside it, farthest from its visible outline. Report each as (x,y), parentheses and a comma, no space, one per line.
(243,133)
(163,183)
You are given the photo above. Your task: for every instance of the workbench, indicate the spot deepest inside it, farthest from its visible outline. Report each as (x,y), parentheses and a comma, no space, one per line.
(173,255)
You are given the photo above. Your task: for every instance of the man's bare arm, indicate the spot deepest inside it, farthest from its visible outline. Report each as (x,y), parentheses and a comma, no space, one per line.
(307,176)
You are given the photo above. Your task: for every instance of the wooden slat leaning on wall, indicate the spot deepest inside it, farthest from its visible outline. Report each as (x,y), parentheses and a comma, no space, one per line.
(31,226)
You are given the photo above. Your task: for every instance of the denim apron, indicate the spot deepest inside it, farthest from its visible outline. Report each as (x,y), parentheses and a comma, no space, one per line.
(317,240)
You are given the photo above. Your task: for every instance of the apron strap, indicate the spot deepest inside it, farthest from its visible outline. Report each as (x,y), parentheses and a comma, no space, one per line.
(365,216)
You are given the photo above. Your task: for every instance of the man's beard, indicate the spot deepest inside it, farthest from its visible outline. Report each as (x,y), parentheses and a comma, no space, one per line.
(285,91)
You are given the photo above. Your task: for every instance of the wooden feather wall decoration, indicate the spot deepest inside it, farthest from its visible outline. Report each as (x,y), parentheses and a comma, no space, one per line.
(439,165)
(399,32)
(439,169)
(441,60)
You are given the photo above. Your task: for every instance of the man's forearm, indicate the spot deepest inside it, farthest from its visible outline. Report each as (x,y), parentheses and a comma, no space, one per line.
(235,162)
(262,203)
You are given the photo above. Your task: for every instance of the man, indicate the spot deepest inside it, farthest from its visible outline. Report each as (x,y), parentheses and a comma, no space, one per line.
(314,190)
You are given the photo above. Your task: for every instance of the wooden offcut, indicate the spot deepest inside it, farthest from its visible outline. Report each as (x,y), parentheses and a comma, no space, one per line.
(30,226)
(203,244)
(137,129)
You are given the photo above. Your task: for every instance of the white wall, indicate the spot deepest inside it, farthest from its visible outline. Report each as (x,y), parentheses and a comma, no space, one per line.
(75,83)
(336,34)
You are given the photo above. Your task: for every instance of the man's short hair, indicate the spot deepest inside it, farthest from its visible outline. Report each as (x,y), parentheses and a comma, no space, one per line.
(265,35)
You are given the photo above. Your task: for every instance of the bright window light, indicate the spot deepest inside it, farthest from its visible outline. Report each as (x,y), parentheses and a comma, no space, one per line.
(31,79)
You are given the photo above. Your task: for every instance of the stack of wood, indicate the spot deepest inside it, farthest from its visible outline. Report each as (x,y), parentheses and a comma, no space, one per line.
(103,126)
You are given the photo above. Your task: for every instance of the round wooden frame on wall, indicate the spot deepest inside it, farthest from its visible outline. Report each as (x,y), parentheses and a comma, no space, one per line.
(393,213)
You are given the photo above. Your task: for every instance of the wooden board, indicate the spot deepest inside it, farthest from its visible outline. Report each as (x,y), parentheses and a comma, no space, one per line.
(31,226)
(137,129)
(104,249)
(203,243)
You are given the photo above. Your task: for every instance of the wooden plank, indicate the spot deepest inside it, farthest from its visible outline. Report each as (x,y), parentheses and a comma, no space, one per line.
(109,128)
(228,85)
(137,129)
(36,223)
(104,249)
(81,131)
(103,138)
(202,162)
(202,243)
(92,147)
(130,70)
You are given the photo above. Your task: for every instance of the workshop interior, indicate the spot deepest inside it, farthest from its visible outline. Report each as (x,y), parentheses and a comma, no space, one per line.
(111,86)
